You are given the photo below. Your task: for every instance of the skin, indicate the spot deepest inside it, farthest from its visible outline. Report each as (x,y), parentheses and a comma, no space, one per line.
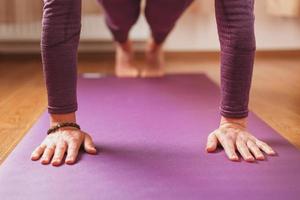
(124,61)
(67,140)
(154,60)
(231,135)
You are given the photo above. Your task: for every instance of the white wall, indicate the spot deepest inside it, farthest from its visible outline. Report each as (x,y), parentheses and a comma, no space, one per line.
(198,32)
(195,31)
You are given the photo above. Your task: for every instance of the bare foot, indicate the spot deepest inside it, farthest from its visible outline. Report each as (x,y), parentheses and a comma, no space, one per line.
(124,60)
(154,60)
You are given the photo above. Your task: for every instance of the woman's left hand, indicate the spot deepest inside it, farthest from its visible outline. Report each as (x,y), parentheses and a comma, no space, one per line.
(232,135)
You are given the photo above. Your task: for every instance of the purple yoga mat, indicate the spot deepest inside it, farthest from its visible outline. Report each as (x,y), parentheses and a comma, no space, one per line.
(152,135)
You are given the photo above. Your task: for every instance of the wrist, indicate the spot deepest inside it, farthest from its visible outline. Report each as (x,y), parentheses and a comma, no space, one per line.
(226,121)
(59,118)
(63,125)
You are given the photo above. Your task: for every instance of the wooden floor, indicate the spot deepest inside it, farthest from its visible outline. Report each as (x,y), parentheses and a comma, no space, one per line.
(275,94)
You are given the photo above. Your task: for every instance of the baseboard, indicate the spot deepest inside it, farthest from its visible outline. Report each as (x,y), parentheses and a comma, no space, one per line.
(101,49)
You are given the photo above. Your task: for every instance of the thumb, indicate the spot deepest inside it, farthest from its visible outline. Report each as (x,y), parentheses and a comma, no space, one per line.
(88,144)
(212,142)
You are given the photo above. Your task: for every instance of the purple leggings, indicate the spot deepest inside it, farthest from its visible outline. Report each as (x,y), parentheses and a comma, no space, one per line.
(61,33)
(161,15)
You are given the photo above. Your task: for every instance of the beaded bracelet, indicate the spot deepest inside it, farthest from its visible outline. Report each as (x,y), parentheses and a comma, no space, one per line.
(62,124)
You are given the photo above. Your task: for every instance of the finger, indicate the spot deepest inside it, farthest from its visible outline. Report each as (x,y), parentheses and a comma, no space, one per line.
(89,146)
(266,148)
(36,154)
(212,142)
(60,151)
(255,150)
(228,146)
(244,151)
(48,153)
(73,148)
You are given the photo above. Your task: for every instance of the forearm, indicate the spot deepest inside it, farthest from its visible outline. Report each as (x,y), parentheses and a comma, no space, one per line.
(235,20)
(60,38)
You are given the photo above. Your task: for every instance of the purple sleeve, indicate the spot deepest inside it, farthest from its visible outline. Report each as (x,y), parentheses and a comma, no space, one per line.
(60,38)
(235,21)
(61,28)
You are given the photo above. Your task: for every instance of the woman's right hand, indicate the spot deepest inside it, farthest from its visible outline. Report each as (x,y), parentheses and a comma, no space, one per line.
(65,140)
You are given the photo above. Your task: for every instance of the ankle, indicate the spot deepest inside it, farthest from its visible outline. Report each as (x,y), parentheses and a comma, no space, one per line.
(153,47)
(125,46)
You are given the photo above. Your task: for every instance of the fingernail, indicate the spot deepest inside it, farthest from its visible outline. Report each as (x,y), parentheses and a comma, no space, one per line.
(251,159)
(70,161)
(44,161)
(55,163)
(234,158)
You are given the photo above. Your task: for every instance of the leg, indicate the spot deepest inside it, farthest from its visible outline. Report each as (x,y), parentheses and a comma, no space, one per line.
(120,16)
(235,20)
(161,16)
(60,38)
